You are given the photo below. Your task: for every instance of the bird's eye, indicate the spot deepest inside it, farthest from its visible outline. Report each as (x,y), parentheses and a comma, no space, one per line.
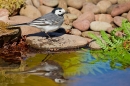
(59,11)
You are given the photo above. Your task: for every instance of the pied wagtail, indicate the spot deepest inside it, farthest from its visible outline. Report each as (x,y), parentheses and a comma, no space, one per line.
(49,22)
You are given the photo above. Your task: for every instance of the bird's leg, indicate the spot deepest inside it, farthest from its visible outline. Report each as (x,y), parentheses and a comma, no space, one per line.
(48,36)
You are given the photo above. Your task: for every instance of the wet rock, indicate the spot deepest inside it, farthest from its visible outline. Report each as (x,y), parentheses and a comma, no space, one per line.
(90,7)
(81,25)
(36,3)
(50,3)
(120,8)
(60,42)
(86,33)
(104,17)
(4,13)
(118,20)
(98,26)
(75,3)
(45,9)
(75,32)
(30,11)
(103,5)
(74,11)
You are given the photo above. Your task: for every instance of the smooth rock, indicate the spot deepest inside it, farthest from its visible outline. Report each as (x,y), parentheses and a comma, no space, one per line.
(26,30)
(36,3)
(75,3)
(50,3)
(118,20)
(4,14)
(124,15)
(66,27)
(81,25)
(28,2)
(113,1)
(71,16)
(99,25)
(90,7)
(74,11)
(103,5)
(109,9)
(120,8)
(19,19)
(104,17)
(87,33)
(87,16)
(45,9)
(75,32)
(61,42)
(63,4)
(128,16)
(94,45)
(93,1)
(30,11)
(122,1)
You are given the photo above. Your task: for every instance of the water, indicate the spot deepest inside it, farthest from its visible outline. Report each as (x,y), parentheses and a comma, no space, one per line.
(77,67)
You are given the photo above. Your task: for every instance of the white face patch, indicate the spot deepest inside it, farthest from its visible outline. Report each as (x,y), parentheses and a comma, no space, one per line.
(59,12)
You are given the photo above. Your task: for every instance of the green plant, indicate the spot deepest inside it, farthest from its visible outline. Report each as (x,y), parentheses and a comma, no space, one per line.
(115,49)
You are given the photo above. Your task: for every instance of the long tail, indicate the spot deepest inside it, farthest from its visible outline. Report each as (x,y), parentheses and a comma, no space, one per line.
(17,25)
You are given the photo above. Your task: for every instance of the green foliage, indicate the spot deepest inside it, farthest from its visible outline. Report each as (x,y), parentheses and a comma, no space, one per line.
(115,49)
(11,5)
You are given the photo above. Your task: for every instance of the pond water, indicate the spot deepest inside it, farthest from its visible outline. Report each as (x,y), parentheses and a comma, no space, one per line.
(77,67)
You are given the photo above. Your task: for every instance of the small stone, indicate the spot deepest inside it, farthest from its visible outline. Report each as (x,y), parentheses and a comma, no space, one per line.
(36,3)
(98,26)
(45,9)
(30,11)
(71,16)
(75,32)
(74,11)
(50,3)
(87,16)
(118,20)
(81,25)
(86,33)
(94,45)
(4,14)
(103,5)
(63,4)
(75,3)
(120,8)
(124,15)
(28,2)
(90,7)
(122,1)
(104,17)
(128,16)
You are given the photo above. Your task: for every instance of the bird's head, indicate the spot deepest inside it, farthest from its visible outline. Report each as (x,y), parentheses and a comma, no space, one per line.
(59,11)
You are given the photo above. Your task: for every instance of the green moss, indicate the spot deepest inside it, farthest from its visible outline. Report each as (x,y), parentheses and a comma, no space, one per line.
(11,5)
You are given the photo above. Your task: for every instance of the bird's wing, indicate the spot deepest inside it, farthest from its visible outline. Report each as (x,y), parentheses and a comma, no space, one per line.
(41,22)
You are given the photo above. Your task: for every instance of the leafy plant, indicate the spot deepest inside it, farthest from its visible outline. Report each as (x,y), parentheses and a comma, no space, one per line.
(115,49)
